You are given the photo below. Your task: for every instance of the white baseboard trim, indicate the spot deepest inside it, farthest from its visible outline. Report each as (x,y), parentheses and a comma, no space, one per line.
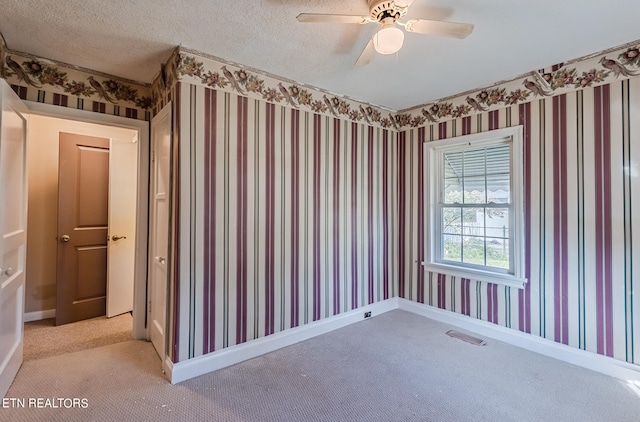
(182,371)
(38,315)
(167,368)
(589,360)
(200,365)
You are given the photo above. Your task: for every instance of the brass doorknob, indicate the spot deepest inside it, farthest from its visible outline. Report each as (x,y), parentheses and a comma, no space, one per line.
(65,238)
(115,237)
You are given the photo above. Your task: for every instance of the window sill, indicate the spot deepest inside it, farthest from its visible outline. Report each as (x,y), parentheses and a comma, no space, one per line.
(472,274)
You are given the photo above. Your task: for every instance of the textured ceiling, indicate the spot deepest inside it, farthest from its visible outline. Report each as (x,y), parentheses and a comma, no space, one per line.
(131,38)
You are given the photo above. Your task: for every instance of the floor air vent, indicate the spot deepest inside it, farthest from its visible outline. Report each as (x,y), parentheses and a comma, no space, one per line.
(466,337)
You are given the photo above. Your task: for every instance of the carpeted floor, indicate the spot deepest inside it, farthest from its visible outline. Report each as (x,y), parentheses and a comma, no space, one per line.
(43,339)
(393,367)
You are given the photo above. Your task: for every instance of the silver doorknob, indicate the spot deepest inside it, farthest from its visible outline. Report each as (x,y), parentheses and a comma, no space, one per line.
(115,237)
(65,238)
(8,271)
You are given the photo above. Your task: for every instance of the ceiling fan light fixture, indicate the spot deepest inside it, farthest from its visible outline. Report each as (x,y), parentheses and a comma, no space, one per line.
(388,39)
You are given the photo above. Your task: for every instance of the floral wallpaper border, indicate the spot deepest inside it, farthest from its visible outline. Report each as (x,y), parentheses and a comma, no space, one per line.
(163,83)
(3,51)
(598,69)
(28,70)
(191,66)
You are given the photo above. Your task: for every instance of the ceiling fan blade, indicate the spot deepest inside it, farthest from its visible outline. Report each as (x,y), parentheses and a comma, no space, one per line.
(439,28)
(320,17)
(403,3)
(367,54)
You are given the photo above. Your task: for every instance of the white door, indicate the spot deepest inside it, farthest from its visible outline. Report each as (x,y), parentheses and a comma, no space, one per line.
(159,228)
(13,233)
(123,183)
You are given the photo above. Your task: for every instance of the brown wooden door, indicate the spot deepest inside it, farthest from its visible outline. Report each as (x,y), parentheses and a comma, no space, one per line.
(83,195)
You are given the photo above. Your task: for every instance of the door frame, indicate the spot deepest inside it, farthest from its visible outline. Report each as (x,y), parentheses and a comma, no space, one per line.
(140,330)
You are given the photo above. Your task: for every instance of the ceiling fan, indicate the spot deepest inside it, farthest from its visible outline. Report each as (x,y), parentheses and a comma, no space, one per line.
(389,37)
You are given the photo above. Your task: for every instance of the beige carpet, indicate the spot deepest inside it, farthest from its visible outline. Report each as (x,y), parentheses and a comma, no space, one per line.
(393,367)
(43,339)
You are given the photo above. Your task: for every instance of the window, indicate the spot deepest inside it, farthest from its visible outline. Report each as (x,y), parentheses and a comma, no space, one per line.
(474,207)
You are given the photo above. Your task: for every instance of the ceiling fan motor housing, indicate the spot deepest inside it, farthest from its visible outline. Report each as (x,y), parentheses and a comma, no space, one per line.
(383,9)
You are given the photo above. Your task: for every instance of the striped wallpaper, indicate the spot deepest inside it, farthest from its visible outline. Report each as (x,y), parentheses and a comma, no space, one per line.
(46,96)
(581,189)
(285,217)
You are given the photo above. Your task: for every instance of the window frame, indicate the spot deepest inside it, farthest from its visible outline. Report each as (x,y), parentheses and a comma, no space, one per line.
(434,175)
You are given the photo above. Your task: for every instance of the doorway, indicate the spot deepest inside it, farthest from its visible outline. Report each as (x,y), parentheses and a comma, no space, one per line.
(43,143)
(16,134)
(96,225)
